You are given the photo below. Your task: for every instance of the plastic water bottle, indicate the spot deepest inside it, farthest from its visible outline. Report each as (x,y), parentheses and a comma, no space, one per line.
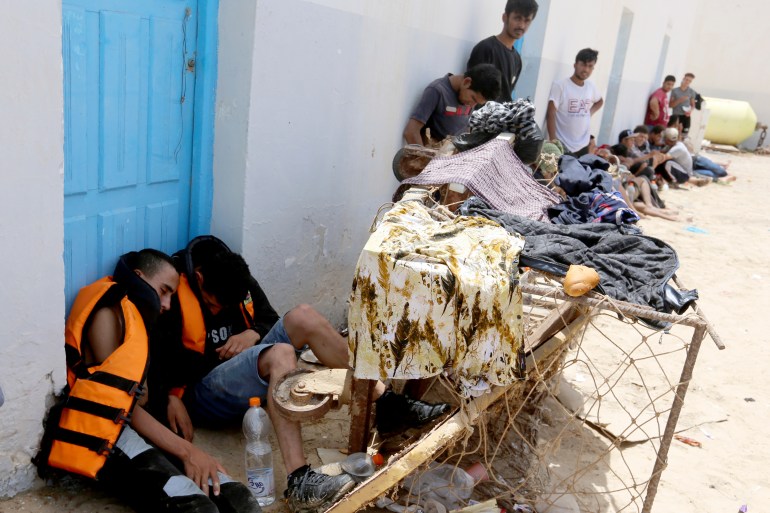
(259,453)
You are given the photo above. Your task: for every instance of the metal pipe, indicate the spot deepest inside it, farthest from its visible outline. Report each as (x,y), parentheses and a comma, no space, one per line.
(644,312)
(673,417)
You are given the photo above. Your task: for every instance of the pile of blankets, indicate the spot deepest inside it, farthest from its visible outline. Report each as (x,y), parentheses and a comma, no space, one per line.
(590,195)
(632,267)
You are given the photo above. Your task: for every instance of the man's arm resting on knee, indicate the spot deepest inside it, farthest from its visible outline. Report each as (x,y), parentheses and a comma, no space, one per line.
(237,344)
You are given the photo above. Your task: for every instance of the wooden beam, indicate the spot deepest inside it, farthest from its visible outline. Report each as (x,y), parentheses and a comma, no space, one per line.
(561,316)
(424,450)
(360,414)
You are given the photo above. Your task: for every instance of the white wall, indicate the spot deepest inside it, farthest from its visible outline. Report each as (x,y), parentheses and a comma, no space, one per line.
(311,101)
(31,231)
(231,130)
(728,54)
(332,85)
(572,26)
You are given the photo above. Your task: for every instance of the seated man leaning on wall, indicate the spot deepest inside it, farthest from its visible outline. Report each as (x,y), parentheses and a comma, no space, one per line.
(446,104)
(235,347)
(101,430)
(694,164)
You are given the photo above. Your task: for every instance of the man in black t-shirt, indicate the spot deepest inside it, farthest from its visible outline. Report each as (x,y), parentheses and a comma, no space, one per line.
(499,51)
(237,347)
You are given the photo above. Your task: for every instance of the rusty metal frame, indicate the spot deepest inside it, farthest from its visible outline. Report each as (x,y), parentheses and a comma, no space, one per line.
(360,414)
(453,427)
(700,325)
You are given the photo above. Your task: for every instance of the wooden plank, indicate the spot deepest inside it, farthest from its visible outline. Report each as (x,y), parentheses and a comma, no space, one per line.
(400,467)
(360,414)
(561,316)
(725,148)
(447,432)
(481,507)
(544,351)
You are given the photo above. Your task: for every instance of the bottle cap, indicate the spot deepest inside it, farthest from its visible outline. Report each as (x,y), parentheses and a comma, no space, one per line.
(254,401)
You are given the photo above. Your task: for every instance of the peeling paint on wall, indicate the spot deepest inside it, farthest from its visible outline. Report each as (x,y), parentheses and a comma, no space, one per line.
(31,225)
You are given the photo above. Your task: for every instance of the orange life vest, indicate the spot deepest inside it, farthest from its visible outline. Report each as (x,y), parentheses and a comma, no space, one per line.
(101,397)
(193,325)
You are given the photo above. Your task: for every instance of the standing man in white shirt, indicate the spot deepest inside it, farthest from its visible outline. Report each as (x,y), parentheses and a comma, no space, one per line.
(571,104)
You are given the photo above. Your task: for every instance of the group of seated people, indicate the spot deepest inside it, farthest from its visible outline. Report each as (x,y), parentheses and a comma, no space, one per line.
(651,159)
(169,343)
(166,344)
(653,156)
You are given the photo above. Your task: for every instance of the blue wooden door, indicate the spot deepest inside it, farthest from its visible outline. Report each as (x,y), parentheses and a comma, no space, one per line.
(128,112)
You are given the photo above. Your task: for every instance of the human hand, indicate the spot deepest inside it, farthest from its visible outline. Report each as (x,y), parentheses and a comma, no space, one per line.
(237,344)
(200,467)
(603,153)
(178,418)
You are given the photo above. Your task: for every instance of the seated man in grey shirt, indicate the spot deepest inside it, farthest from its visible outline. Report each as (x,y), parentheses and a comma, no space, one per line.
(447,103)
(701,169)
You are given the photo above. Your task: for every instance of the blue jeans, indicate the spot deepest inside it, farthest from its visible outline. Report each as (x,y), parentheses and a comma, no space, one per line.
(222,396)
(707,167)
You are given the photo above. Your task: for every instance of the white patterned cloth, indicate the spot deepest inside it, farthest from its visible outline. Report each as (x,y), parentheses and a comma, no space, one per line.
(430,296)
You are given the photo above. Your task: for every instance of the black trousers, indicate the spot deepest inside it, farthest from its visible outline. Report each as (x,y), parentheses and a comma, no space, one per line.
(148,480)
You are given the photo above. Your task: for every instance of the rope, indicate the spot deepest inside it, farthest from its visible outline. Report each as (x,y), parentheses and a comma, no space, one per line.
(535,449)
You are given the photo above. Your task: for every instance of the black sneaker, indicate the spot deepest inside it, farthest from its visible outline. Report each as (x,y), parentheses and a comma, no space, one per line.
(310,491)
(399,412)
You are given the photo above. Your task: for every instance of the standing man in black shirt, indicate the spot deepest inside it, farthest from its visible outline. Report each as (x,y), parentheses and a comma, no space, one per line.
(499,51)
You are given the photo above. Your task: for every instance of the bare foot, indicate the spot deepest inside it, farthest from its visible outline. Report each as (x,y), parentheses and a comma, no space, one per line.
(728,179)
(700,181)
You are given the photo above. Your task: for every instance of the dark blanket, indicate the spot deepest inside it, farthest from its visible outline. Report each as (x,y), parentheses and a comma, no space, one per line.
(586,174)
(590,194)
(632,267)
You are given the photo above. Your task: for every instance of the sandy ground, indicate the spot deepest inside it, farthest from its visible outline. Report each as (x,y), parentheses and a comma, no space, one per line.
(727,261)
(730,267)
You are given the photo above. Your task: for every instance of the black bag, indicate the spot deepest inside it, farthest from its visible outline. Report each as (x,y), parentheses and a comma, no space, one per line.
(470,140)
(528,149)
(698,101)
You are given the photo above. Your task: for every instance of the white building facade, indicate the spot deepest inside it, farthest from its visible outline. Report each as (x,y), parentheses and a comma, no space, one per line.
(311,101)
